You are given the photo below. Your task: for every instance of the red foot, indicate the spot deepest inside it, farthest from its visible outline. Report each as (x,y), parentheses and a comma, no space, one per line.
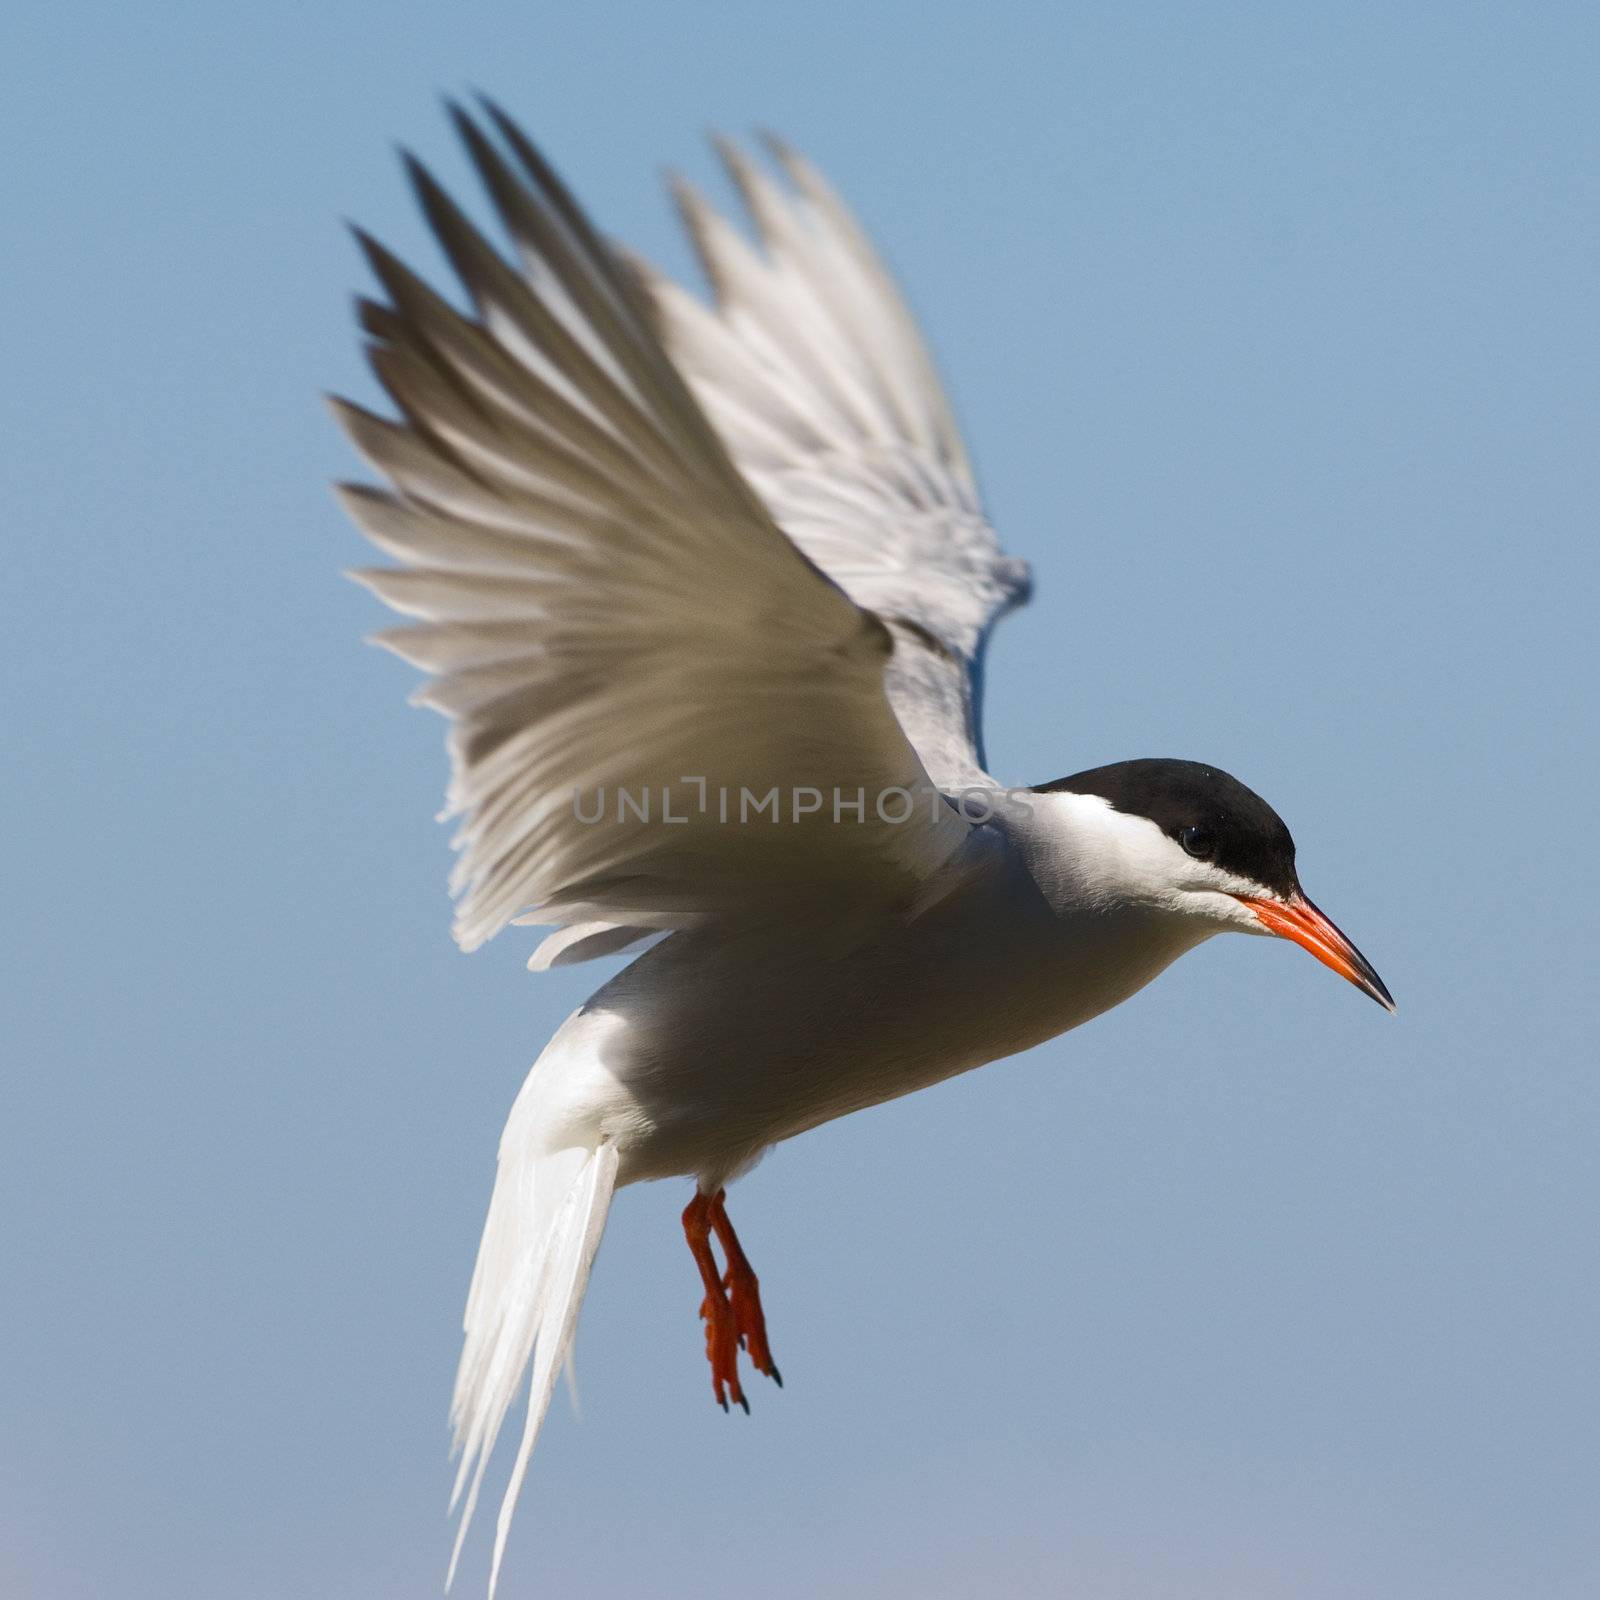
(732,1305)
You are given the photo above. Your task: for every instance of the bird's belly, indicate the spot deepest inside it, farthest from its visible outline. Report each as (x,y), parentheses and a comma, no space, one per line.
(712,1051)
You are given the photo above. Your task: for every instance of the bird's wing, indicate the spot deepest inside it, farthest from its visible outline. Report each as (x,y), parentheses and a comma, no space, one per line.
(612,620)
(814,372)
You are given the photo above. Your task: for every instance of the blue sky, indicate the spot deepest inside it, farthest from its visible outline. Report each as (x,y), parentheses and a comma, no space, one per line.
(1273,331)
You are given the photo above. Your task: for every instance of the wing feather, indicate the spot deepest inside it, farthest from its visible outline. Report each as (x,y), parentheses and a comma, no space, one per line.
(813,371)
(607,607)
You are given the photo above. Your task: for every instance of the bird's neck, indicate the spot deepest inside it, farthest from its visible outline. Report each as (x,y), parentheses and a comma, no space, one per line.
(1087,858)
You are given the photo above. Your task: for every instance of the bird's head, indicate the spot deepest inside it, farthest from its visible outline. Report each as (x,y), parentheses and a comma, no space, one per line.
(1187,840)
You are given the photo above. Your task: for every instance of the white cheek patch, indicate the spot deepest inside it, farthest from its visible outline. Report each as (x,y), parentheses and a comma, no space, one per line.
(1098,855)
(1226,882)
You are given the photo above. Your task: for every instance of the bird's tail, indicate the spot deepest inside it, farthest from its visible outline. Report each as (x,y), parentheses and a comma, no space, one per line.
(544,1225)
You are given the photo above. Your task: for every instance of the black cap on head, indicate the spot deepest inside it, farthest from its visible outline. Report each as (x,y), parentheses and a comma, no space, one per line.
(1212,815)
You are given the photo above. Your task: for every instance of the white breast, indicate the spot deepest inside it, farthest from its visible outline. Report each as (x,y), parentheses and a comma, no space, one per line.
(713,1046)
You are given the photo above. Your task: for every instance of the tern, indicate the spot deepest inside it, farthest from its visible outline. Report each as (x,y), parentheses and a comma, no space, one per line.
(704,590)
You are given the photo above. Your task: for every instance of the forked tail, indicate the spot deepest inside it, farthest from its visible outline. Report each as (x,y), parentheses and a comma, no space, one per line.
(544,1226)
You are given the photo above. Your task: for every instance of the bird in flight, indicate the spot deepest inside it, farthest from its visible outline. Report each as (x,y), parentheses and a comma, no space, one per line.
(704,590)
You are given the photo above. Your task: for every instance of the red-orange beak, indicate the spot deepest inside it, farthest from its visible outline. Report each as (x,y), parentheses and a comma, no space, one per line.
(1296,918)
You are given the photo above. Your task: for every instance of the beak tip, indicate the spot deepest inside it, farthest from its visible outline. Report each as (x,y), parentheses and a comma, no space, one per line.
(1299,920)
(1368,981)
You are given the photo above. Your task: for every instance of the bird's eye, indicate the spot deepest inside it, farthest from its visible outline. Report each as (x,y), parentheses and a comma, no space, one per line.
(1199,842)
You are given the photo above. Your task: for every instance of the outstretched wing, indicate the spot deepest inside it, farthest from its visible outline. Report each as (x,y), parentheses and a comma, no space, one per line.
(815,375)
(613,622)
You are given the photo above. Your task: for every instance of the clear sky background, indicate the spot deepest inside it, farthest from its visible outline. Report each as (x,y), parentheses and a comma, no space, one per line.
(1273,329)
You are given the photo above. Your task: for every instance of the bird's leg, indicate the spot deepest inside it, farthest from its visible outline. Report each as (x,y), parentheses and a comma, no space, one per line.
(722,1333)
(744,1294)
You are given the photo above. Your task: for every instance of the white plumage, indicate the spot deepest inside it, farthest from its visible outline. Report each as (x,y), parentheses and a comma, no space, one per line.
(654,548)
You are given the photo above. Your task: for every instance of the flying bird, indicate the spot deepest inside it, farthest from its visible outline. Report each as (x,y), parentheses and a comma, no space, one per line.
(704,590)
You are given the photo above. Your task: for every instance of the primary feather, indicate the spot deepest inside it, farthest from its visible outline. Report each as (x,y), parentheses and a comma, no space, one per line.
(815,374)
(604,602)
